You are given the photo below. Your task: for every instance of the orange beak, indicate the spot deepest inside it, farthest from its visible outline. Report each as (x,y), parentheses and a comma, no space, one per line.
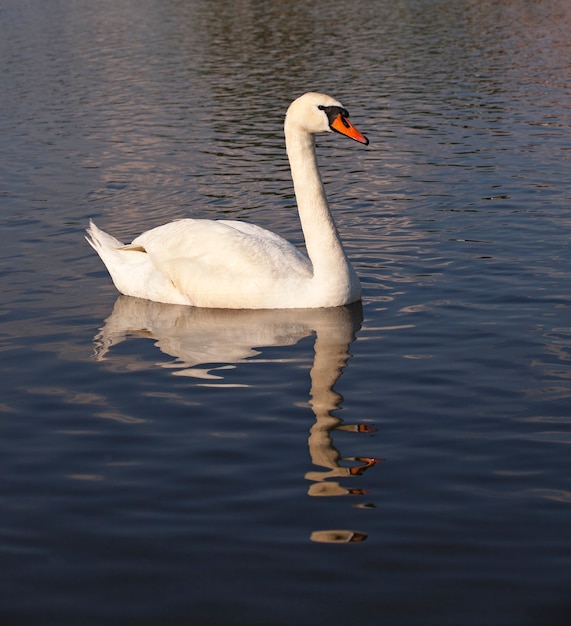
(342,125)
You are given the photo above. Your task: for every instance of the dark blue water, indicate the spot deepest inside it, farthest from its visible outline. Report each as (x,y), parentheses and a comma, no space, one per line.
(406,462)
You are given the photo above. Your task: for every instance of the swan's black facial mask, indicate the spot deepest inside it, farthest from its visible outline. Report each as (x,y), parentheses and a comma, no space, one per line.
(333,112)
(338,118)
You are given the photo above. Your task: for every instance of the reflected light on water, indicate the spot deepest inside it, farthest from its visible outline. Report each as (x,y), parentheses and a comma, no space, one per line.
(197,337)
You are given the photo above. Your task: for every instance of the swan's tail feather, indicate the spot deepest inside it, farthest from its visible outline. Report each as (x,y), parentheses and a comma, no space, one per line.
(119,265)
(99,239)
(132,270)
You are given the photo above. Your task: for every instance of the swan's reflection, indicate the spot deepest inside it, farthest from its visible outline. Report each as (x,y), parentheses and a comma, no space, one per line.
(210,337)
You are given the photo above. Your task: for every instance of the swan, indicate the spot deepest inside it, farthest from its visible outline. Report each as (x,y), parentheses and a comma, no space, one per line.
(237,265)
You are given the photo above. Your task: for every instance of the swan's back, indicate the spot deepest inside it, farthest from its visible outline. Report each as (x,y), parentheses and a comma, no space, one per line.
(180,263)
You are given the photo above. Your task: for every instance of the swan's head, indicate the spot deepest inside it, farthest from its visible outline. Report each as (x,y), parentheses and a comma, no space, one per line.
(318,113)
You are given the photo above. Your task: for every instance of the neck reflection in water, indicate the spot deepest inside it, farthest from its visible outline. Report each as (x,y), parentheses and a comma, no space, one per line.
(201,339)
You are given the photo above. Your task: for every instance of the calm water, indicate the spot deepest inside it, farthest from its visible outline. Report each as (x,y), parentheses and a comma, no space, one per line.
(164,465)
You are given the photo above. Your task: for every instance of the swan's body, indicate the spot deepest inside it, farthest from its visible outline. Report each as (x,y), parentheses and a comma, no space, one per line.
(237,265)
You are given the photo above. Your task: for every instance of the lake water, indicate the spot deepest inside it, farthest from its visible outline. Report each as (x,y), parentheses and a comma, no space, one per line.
(406,462)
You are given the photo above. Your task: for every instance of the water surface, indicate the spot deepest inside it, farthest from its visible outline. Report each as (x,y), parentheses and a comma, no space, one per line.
(404,462)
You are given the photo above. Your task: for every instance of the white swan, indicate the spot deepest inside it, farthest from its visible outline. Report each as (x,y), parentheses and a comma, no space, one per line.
(236,265)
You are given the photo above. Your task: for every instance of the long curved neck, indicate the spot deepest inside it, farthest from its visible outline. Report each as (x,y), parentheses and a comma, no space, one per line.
(321,237)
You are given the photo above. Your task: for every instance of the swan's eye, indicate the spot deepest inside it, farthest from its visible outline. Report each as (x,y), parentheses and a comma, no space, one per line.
(333,112)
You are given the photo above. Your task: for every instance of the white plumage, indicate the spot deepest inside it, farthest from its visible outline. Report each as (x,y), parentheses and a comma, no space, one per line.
(237,265)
